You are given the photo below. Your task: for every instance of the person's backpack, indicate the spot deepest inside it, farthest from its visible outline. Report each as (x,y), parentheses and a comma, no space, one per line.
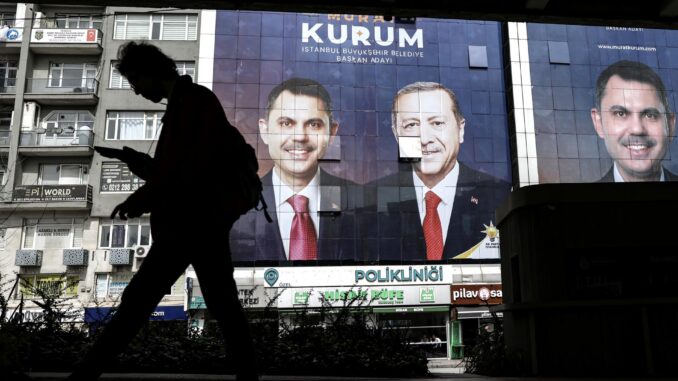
(248,189)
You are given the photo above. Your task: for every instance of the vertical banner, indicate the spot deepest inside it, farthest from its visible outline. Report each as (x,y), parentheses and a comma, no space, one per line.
(603,103)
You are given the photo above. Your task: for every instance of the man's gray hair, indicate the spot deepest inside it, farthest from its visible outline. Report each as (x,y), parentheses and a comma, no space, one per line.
(418,87)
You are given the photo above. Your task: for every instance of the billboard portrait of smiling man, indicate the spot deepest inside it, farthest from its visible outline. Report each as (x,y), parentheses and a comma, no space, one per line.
(305,202)
(444,208)
(633,116)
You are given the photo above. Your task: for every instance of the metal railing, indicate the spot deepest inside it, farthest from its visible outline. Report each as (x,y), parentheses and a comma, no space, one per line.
(55,138)
(61,85)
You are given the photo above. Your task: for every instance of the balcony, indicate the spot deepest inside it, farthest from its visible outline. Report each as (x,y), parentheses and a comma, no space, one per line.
(54,197)
(62,91)
(66,41)
(56,142)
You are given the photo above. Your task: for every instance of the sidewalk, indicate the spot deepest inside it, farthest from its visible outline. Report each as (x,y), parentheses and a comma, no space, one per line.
(211,377)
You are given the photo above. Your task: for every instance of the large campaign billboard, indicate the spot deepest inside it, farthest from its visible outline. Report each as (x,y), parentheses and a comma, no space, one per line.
(379,139)
(602,102)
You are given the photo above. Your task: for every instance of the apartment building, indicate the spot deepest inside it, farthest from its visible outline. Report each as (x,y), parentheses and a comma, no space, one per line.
(60,95)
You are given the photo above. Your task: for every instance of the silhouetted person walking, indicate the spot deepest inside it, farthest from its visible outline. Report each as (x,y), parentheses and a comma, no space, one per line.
(190,215)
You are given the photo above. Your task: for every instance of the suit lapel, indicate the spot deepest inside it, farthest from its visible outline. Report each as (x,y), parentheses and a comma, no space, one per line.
(413,245)
(460,207)
(269,243)
(329,235)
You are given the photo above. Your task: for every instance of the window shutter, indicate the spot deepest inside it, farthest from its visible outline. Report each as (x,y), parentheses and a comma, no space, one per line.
(137,27)
(29,236)
(193,27)
(119,33)
(78,231)
(174,27)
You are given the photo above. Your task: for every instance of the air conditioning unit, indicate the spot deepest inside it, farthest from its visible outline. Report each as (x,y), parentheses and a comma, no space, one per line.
(75,257)
(31,116)
(120,257)
(140,251)
(28,258)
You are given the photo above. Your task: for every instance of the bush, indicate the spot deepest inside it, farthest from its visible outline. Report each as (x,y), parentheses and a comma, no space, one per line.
(491,357)
(337,342)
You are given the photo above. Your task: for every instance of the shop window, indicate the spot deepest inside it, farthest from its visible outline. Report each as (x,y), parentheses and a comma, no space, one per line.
(34,286)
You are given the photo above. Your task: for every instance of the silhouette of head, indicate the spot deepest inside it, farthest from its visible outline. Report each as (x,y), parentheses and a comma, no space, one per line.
(146,67)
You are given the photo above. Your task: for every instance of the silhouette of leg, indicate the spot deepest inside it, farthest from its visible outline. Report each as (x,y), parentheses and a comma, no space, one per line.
(215,275)
(157,274)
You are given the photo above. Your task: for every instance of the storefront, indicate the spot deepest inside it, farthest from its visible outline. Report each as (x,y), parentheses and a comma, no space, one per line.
(421,311)
(254,298)
(470,314)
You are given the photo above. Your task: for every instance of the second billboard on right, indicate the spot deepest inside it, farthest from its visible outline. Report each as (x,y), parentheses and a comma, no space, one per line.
(603,103)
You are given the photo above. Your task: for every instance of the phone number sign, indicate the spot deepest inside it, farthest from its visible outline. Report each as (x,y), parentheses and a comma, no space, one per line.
(117,178)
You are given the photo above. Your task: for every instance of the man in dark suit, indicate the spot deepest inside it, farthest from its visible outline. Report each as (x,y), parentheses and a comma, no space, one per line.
(308,205)
(634,117)
(442,209)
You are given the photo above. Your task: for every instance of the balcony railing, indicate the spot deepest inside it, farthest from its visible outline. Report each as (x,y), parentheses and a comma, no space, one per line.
(61,85)
(52,193)
(55,138)
(66,36)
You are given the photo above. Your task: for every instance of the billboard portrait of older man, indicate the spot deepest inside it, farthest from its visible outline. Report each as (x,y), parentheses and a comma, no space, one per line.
(444,208)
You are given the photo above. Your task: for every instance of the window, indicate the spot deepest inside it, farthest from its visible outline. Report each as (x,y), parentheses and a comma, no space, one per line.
(118,233)
(155,27)
(57,233)
(63,174)
(133,125)
(72,75)
(66,127)
(7,74)
(5,126)
(112,285)
(7,18)
(55,285)
(78,22)
(117,81)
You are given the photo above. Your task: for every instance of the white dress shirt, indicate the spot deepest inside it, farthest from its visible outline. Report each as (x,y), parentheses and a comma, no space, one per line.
(619,179)
(284,210)
(446,189)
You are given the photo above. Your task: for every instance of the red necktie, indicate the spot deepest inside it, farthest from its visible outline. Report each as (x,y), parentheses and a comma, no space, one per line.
(303,241)
(433,231)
